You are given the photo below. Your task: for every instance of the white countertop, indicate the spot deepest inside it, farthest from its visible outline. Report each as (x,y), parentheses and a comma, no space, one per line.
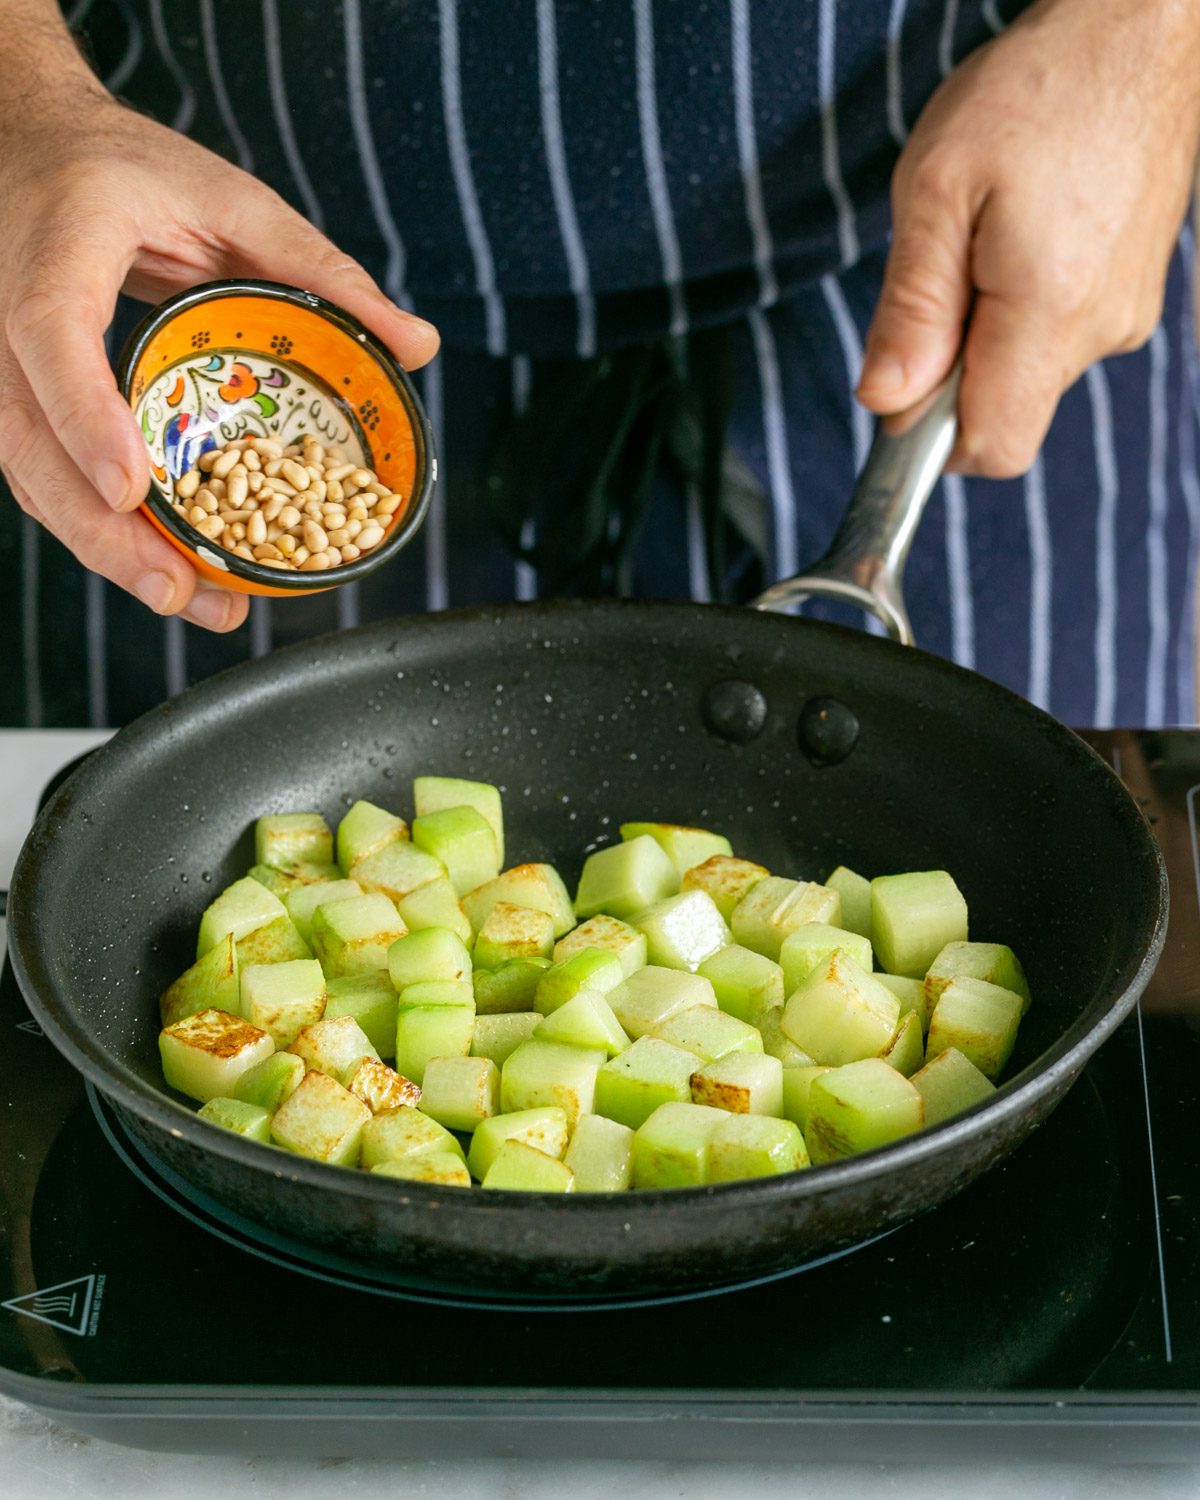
(39,1460)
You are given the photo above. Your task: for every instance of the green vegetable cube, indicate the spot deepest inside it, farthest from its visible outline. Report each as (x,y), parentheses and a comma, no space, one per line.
(498,1036)
(601,1155)
(625,943)
(310,872)
(302,903)
(429,953)
(706,1032)
(670,1147)
(436,793)
(271,1081)
(277,942)
(287,839)
(240,908)
(371,1001)
(683,846)
(439,1168)
(243,1119)
(858,1107)
(424,1032)
(726,879)
(624,879)
(379,1087)
(994,962)
(278,882)
(745,983)
(633,1084)
(437,992)
(813,945)
(459,1092)
(913,917)
(586,969)
(682,931)
(521,1168)
(841,1013)
(321,1119)
(796,1085)
(510,987)
(353,937)
(855,891)
(404,1132)
(586,1020)
(210,984)
(978,1018)
(512,932)
(335,1047)
(950,1083)
(544,1128)
(774,907)
(907,1050)
(283,998)
(750,1145)
(365,829)
(776,1043)
(911,995)
(652,995)
(435,904)
(464,842)
(204,1055)
(398,870)
(538,887)
(744,1083)
(550,1073)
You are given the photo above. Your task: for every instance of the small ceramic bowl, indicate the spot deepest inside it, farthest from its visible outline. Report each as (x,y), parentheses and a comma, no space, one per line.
(233,359)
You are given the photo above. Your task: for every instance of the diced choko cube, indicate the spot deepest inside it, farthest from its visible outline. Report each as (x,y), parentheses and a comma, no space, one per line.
(462,839)
(753,1146)
(670,1147)
(398,870)
(283,998)
(210,984)
(858,1107)
(310,872)
(205,1054)
(271,1081)
(586,969)
(436,793)
(586,1020)
(631,1086)
(796,1085)
(524,1169)
(435,904)
(353,937)
(978,1018)
(499,1035)
(911,995)
(250,1120)
(624,879)
(652,994)
(706,1032)
(601,1155)
(683,846)
(682,931)
(372,1001)
(381,1088)
(625,943)
(459,1092)
(239,909)
(429,953)
(744,1083)
(437,992)
(439,1168)
(907,1050)
(303,902)
(278,882)
(540,1072)
(510,932)
(404,1132)
(812,945)
(913,917)
(287,839)
(544,1128)
(424,1032)
(334,1047)
(726,879)
(776,1043)
(994,962)
(277,942)
(510,987)
(744,982)
(950,1083)
(365,829)
(774,907)
(841,1013)
(538,887)
(855,891)
(321,1119)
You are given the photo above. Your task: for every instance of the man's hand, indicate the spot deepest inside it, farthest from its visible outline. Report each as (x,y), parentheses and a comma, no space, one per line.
(95,199)
(1035,209)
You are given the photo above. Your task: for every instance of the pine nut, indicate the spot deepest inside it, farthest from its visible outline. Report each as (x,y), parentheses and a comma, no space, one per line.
(334,554)
(265,550)
(333,490)
(314,564)
(243,551)
(196,514)
(273,562)
(256,529)
(210,526)
(206,460)
(289,517)
(286,545)
(339,472)
(353,527)
(370,536)
(337,538)
(295,474)
(361,478)
(273,508)
(314,537)
(255,483)
(300,555)
(378,488)
(217,486)
(251,461)
(314,454)
(280,487)
(208,502)
(317,489)
(237,487)
(313,471)
(224,463)
(187,484)
(358,513)
(350,553)
(312,509)
(388,505)
(267,448)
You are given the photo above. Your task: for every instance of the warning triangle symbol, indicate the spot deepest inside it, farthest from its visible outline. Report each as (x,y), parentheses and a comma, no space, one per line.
(31,1027)
(66,1305)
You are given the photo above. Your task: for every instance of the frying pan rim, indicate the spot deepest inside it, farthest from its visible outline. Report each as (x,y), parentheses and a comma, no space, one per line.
(157,1108)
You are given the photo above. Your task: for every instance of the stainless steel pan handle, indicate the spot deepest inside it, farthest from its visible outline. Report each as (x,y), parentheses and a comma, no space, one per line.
(865,561)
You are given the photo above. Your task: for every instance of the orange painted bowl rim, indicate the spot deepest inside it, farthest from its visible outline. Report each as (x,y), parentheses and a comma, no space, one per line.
(424,477)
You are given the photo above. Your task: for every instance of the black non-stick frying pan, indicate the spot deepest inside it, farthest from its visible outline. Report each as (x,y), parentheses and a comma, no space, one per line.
(807,744)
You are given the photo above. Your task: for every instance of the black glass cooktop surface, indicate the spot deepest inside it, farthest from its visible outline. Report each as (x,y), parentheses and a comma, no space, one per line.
(1052,1307)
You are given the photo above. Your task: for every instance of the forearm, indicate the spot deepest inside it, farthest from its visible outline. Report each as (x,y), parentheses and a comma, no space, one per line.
(41,68)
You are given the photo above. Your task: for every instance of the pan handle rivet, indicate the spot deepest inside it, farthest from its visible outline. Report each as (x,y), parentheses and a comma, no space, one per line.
(734,711)
(827,731)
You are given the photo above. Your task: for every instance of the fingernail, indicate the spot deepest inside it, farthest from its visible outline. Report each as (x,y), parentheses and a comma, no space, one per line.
(113,483)
(155,590)
(210,608)
(883,374)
